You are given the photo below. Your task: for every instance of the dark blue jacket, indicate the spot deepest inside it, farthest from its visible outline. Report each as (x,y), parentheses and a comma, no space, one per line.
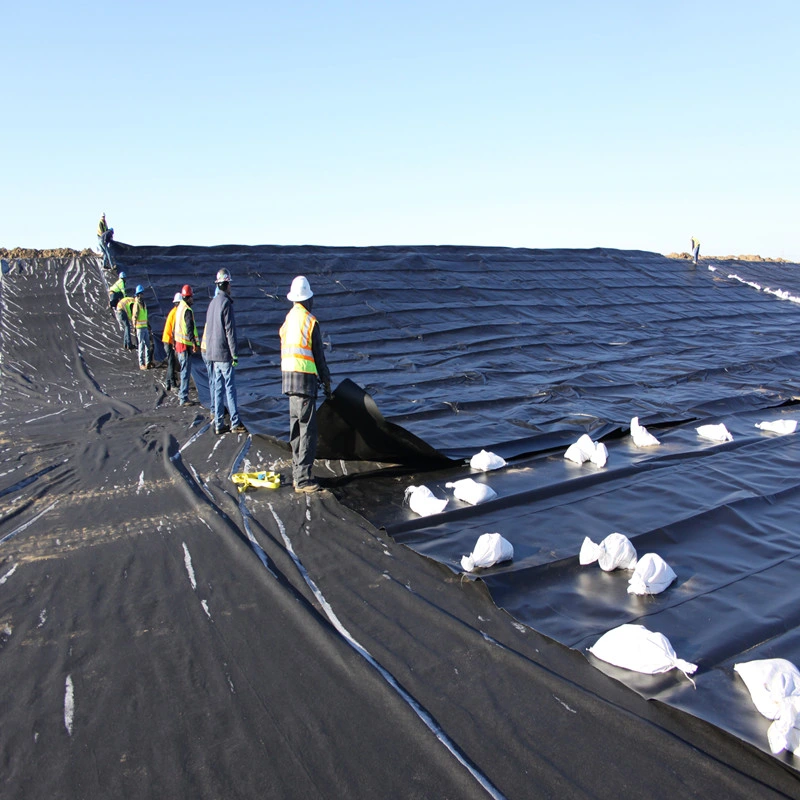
(220,332)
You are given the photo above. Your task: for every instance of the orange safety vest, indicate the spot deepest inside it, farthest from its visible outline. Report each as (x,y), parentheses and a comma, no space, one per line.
(181,330)
(168,337)
(296,331)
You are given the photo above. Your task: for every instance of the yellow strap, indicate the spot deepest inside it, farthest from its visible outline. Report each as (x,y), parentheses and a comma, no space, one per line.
(253,480)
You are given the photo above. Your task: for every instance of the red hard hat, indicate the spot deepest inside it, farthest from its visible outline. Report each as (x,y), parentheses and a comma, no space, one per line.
(186,291)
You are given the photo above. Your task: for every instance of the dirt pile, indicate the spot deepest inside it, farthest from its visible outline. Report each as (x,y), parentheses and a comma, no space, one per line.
(732,258)
(56,252)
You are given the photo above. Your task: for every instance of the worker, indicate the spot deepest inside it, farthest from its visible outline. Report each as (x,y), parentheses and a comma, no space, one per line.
(303,369)
(141,325)
(695,249)
(104,237)
(124,311)
(117,291)
(168,339)
(186,342)
(221,351)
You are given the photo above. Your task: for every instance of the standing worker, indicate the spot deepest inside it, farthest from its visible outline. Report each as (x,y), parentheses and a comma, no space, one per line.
(141,326)
(104,237)
(124,311)
(221,351)
(186,342)
(168,338)
(303,369)
(695,249)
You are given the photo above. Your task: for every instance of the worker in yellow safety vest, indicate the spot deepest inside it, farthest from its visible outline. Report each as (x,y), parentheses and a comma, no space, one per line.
(124,312)
(142,327)
(303,370)
(168,340)
(187,341)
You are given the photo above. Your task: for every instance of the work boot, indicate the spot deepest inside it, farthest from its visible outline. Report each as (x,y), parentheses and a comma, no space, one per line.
(309,488)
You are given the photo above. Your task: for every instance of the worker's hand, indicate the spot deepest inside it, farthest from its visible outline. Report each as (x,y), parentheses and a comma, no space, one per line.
(235,362)
(195,348)
(327,388)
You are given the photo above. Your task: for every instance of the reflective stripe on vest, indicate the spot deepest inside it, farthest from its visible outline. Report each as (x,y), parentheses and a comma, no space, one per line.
(181,332)
(296,332)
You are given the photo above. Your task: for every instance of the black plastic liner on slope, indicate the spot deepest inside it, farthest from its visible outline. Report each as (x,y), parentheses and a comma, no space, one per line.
(99,470)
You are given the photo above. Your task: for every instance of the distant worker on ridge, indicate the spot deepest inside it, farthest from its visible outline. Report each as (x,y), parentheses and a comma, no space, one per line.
(142,327)
(221,351)
(186,342)
(695,249)
(168,339)
(105,235)
(303,369)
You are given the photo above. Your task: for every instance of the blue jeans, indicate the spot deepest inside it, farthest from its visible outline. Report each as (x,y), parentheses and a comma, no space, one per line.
(125,327)
(210,372)
(106,254)
(185,360)
(225,393)
(144,346)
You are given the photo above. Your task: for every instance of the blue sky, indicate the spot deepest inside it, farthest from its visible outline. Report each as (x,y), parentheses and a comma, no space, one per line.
(524,124)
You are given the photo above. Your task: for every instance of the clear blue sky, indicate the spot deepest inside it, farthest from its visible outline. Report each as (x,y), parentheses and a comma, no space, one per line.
(566,123)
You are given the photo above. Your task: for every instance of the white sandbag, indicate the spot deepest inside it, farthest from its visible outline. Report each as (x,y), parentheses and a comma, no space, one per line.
(770,681)
(614,552)
(635,647)
(470,491)
(774,686)
(423,501)
(587,450)
(717,433)
(641,438)
(651,576)
(784,733)
(782,426)
(486,461)
(490,549)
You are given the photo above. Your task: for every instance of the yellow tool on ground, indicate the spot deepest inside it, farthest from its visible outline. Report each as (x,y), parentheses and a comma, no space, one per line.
(256,480)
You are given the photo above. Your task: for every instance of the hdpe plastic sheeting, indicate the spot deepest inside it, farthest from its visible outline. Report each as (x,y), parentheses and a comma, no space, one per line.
(519,352)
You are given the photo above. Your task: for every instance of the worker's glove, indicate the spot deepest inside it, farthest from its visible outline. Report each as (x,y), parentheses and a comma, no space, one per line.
(235,362)
(327,388)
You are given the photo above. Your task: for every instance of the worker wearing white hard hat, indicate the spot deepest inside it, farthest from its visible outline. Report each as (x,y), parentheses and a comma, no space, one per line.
(303,370)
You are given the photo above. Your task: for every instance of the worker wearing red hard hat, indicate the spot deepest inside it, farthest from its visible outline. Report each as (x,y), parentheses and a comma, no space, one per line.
(187,342)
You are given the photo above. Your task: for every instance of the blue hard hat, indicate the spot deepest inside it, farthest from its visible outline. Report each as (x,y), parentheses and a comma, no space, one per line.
(139,289)
(123,275)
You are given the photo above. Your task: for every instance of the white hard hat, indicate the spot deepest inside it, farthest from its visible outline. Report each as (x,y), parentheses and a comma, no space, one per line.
(300,290)
(177,298)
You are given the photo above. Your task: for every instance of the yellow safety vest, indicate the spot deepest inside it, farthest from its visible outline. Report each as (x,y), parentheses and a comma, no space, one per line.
(126,305)
(102,226)
(296,331)
(119,286)
(139,313)
(182,333)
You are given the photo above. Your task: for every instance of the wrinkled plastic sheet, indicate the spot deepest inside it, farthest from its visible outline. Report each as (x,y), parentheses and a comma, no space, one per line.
(520,352)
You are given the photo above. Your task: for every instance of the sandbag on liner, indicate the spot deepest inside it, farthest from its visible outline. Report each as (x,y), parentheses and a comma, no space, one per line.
(486,461)
(614,552)
(587,450)
(636,648)
(774,686)
(490,549)
(640,436)
(782,426)
(423,501)
(651,576)
(470,491)
(717,433)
